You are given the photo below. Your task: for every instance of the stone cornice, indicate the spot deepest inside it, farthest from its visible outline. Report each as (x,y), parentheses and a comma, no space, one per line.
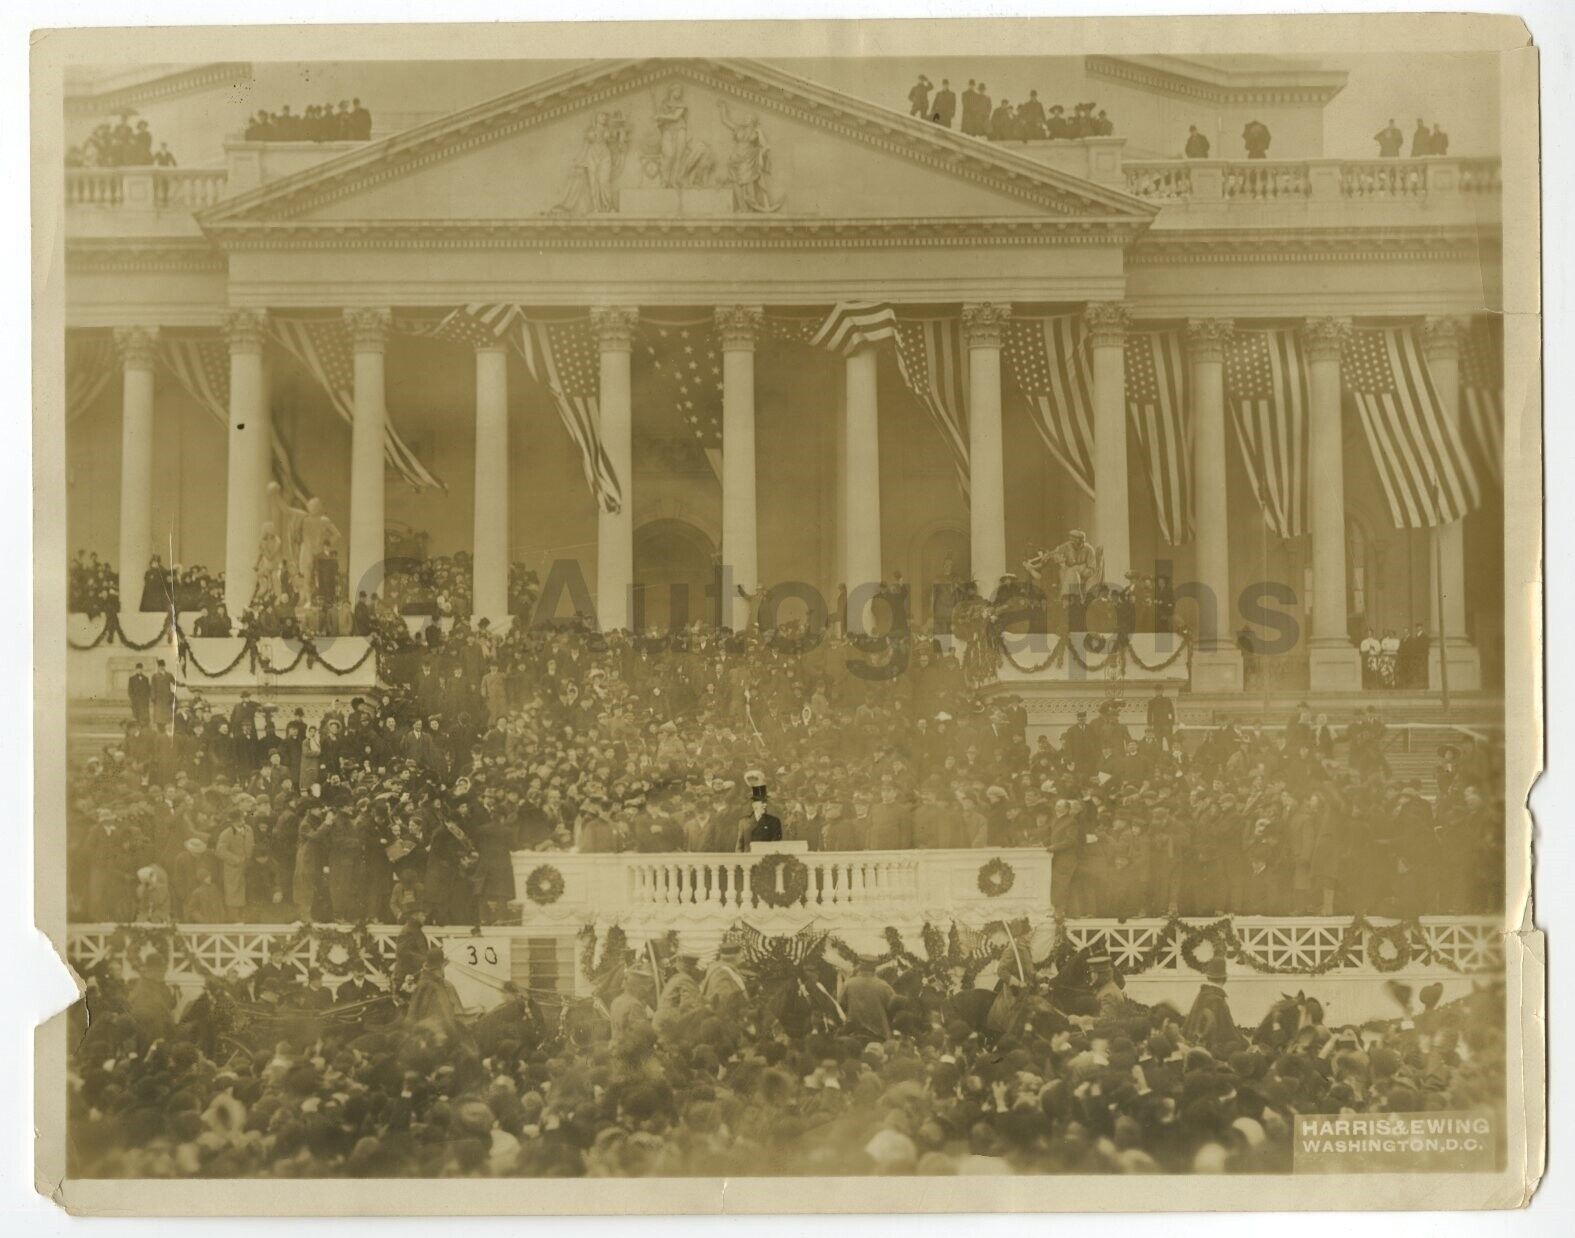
(164,87)
(1315,86)
(616,232)
(116,255)
(1227,245)
(760,85)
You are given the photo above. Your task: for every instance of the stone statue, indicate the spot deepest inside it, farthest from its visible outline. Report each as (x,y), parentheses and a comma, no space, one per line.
(309,534)
(749,168)
(680,162)
(591,187)
(270,565)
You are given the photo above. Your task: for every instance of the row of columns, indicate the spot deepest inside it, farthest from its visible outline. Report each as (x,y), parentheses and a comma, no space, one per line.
(1333,659)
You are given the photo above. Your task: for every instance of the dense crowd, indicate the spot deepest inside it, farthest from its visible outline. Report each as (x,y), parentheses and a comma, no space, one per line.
(1028,121)
(119,145)
(413,797)
(320,122)
(1042,1068)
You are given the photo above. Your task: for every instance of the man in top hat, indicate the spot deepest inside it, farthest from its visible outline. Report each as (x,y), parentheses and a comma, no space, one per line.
(723,988)
(764,826)
(1209,1023)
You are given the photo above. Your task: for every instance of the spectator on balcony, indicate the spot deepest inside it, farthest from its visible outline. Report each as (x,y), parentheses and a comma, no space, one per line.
(976,110)
(1256,138)
(1197,144)
(164,157)
(1390,140)
(1101,126)
(919,97)
(1031,119)
(1003,124)
(1057,127)
(1439,144)
(1421,140)
(944,106)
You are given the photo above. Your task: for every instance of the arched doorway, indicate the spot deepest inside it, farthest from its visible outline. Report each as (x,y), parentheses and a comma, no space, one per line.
(675,574)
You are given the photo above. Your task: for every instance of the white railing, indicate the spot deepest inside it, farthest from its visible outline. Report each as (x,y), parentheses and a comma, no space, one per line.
(1253,181)
(1299,945)
(145,188)
(834,880)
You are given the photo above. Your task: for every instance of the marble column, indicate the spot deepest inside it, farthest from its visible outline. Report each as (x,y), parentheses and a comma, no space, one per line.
(1216,662)
(1441,338)
(368,328)
(738,326)
(490,537)
(983,325)
(861,486)
(614,327)
(250,449)
(1334,665)
(137,347)
(1112,531)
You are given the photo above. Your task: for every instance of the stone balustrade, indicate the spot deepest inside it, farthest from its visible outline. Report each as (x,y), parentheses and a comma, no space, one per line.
(145,188)
(1254,181)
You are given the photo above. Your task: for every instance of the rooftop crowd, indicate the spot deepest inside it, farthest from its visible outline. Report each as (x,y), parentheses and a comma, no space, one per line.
(319,122)
(1050,1068)
(119,145)
(978,115)
(413,797)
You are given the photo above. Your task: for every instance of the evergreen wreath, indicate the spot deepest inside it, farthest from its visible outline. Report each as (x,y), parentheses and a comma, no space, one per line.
(795,880)
(996,878)
(544,885)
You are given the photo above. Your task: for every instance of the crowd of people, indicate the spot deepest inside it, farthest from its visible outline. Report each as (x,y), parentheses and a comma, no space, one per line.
(1395,661)
(414,796)
(1030,120)
(1013,1067)
(119,145)
(1424,140)
(320,122)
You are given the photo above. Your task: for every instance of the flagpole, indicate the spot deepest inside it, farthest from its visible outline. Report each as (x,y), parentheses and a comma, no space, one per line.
(1438,594)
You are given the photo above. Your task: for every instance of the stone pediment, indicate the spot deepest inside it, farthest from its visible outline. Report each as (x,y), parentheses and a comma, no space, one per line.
(685,142)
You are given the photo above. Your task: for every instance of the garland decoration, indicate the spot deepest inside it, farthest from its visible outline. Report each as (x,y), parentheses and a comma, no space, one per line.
(1389,948)
(545,885)
(996,878)
(251,649)
(794,881)
(1117,649)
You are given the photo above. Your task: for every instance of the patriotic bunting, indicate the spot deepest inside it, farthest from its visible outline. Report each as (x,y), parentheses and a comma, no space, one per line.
(90,363)
(1422,462)
(563,357)
(853,325)
(1266,390)
(933,362)
(1156,389)
(1048,362)
(685,355)
(1482,401)
(322,346)
(202,366)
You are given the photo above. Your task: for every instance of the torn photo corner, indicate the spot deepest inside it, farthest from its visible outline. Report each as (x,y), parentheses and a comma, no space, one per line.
(651,603)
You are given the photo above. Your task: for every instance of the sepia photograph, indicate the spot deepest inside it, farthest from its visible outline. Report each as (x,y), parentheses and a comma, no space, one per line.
(755,611)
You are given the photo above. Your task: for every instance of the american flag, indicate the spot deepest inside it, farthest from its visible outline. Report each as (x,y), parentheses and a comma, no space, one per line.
(90,360)
(686,357)
(1422,462)
(563,355)
(853,325)
(933,362)
(1482,400)
(202,366)
(1266,389)
(1050,365)
(322,346)
(1156,384)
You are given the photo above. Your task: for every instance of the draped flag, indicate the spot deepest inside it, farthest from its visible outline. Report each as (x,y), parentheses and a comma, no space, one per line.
(322,346)
(1050,365)
(853,325)
(1482,401)
(933,362)
(686,355)
(1266,389)
(202,366)
(1156,384)
(1422,462)
(90,362)
(563,357)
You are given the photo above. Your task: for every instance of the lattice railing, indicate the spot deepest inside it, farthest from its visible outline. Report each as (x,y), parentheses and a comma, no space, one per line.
(1302,945)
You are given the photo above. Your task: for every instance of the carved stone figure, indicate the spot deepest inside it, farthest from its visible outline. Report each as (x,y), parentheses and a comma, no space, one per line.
(749,168)
(680,162)
(591,187)
(309,534)
(270,565)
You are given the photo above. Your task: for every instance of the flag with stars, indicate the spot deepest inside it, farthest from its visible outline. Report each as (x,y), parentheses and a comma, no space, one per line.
(322,346)
(1482,400)
(933,362)
(201,364)
(563,356)
(1266,391)
(685,357)
(1049,363)
(1422,462)
(1156,387)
